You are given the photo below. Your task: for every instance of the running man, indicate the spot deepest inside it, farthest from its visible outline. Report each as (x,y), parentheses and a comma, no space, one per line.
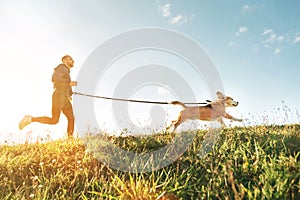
(61,97)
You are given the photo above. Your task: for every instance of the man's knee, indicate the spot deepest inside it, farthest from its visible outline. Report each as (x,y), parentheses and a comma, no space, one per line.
(54,121)
(70,117)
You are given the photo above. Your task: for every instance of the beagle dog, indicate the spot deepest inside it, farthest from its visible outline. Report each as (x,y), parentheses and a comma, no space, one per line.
(214,110)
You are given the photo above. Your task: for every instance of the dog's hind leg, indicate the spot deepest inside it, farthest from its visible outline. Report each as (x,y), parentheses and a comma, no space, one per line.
(182,118)
(176,122)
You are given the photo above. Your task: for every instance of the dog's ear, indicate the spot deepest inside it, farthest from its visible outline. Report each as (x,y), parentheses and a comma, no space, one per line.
(221,95)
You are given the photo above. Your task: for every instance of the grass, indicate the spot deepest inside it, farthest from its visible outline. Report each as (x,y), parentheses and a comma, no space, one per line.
(260,162)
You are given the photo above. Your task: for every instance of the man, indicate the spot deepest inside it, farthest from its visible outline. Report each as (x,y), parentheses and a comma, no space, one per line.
(60,98)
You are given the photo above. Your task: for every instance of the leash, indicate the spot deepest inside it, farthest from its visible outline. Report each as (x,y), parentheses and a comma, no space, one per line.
(128,100)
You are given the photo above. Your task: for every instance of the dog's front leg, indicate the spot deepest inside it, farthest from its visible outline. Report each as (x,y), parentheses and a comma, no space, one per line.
(232,118)
(167,129)
(220,120)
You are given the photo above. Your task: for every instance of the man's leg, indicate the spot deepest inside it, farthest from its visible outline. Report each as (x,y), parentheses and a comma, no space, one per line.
(56,109)
(68,112)
(58,101)
(47,120)
(57,104)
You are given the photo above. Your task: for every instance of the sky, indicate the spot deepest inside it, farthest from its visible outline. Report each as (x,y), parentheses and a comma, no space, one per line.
(254,45)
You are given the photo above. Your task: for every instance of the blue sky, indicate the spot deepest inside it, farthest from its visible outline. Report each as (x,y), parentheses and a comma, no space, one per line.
(255,46)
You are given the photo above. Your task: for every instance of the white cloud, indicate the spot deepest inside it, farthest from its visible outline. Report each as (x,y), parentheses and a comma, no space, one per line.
(267,31)
(271,40)
(246,8)
(276,51)
(280,38)
(179,19)
(165,10)
(272,36)
(251,8)
(242,29)
(297,39)
(267,46)
(292,37)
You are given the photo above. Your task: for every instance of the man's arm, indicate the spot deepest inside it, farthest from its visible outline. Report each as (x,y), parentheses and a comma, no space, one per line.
(73,83)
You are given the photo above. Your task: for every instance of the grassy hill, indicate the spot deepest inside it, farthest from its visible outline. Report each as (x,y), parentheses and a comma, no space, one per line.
(261,162)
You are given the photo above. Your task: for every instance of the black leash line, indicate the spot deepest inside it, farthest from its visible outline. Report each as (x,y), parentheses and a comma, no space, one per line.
(127,100)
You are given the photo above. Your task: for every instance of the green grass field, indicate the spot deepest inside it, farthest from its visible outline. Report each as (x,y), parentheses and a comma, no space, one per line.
(261,162)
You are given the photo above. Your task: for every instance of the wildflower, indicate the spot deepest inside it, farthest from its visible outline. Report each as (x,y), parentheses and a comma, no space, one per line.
(31,196)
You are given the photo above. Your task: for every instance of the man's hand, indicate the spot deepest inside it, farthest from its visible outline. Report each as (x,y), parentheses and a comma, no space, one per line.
(73,83)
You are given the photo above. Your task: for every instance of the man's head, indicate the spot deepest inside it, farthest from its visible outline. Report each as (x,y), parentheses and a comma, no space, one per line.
(68,61)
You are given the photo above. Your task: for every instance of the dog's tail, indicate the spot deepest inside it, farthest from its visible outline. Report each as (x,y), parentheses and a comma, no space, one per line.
(178,103)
